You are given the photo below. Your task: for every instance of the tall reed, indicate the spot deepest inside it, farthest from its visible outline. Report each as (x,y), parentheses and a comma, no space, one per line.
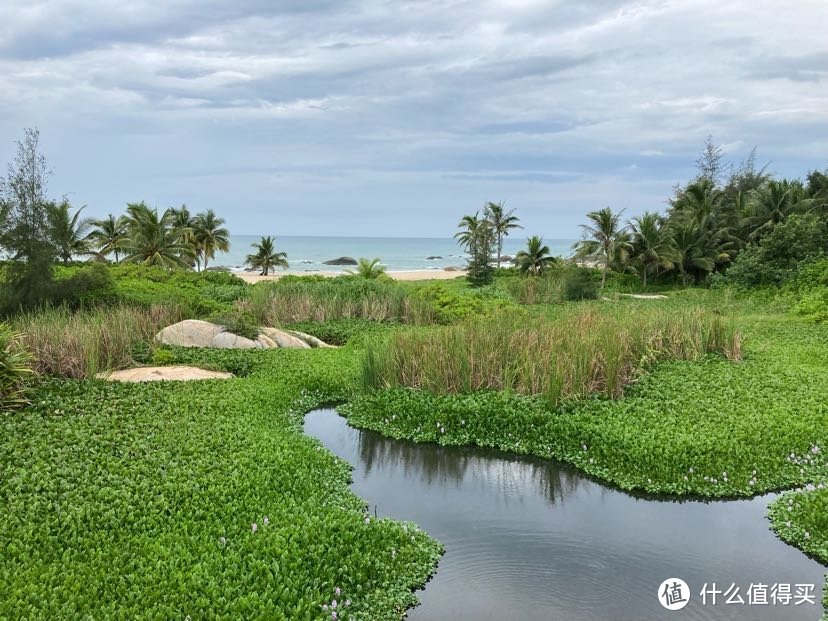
(587,353)
(343,298)
(80,344)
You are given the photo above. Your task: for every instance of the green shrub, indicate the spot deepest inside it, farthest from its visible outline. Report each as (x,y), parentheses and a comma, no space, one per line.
(15,370)
(161,357)
(776,257)
(238,322)
(340,331)
(580,283)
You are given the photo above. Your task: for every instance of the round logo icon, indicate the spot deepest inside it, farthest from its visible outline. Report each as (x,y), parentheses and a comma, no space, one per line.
(674,594)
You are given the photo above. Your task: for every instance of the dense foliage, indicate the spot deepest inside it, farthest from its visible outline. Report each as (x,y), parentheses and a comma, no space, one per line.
(15,370)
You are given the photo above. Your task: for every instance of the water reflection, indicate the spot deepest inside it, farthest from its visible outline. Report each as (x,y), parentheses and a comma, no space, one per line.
(531,539)
(433,465)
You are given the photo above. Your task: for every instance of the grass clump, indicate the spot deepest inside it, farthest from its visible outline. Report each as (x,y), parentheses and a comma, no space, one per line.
(15,370)
(81,344)
(298,300)
(574,357)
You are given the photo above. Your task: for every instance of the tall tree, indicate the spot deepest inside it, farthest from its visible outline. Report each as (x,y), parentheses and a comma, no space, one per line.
(477,237)
(502,222)
(154,240)
(266,257)
(69,232)
(774,202)
(604,240)
(107,235)
(652,244)
(209,235)
(710,163)
(536,258)
(26,235)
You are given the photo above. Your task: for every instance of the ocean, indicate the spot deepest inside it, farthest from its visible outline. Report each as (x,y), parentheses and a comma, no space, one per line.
(307,254)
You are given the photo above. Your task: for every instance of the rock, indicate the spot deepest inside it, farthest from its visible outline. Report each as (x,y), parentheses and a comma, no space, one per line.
(310,339)
(342,261)
(228,340)
(507,258)
(452,268)
(284,339)
(433,258)
(157,374)
(189,333)
(217,268)
(266,342)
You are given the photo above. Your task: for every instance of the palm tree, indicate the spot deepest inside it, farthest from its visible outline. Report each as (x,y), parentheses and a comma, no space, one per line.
(154,240)
(182,221)
(774,202)
(368,268)
(536,258)
(699,247)
(653,245)
(502,222)
(266,257)
(608,241)
(477,238)
(209,235)
(70,233)
(107,234)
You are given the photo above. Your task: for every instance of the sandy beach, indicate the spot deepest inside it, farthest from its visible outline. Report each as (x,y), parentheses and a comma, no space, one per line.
(252,277)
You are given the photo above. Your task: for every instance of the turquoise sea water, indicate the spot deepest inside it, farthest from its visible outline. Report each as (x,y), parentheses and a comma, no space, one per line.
(307,254)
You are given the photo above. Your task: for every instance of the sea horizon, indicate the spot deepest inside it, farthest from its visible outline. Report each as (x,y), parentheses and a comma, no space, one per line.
(308,253)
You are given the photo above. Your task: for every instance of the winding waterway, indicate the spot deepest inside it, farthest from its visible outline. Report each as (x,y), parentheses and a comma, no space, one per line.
(533,539)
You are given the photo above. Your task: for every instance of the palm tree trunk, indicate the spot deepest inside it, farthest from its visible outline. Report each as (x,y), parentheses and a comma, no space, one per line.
(499,248)
(604,275)
(644,275)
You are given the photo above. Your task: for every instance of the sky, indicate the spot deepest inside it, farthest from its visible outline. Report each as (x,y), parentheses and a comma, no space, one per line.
(395,118)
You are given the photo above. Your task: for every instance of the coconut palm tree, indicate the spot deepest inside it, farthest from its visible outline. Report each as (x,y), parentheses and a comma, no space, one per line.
(653,245)
(154,240)
(107,234)
(266,257)
(502,222)
(536,258)
(209,235)
(477,237)
(605,240)
(699,247)
(368,268)
(69,233)
(182,221)
(774,202)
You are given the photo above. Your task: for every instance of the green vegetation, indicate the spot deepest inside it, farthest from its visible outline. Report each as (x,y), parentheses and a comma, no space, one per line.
(368,268)
(291,300)
(195,500)
(81,344)
(15,370)
(535,260)
(568,358)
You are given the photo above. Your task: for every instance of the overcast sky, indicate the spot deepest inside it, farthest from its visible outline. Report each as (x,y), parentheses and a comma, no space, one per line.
(338,117)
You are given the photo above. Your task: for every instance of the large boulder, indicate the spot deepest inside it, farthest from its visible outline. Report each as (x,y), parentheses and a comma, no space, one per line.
(162,374)
(197,333)
(284,339)
(342,261)
(189,333)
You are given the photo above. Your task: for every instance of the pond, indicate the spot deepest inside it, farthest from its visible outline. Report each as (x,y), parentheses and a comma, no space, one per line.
(534,539)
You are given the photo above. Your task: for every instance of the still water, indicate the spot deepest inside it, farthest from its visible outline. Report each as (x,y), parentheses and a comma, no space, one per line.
(532,539)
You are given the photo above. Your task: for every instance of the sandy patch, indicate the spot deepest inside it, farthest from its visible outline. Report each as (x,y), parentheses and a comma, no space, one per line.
(644,296)
(407,275)
(157,374)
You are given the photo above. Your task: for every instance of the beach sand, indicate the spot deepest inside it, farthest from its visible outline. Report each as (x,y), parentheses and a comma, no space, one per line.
(252,277)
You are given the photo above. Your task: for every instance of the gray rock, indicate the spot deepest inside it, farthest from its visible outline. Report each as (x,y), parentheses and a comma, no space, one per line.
(342,261)
(433,258)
